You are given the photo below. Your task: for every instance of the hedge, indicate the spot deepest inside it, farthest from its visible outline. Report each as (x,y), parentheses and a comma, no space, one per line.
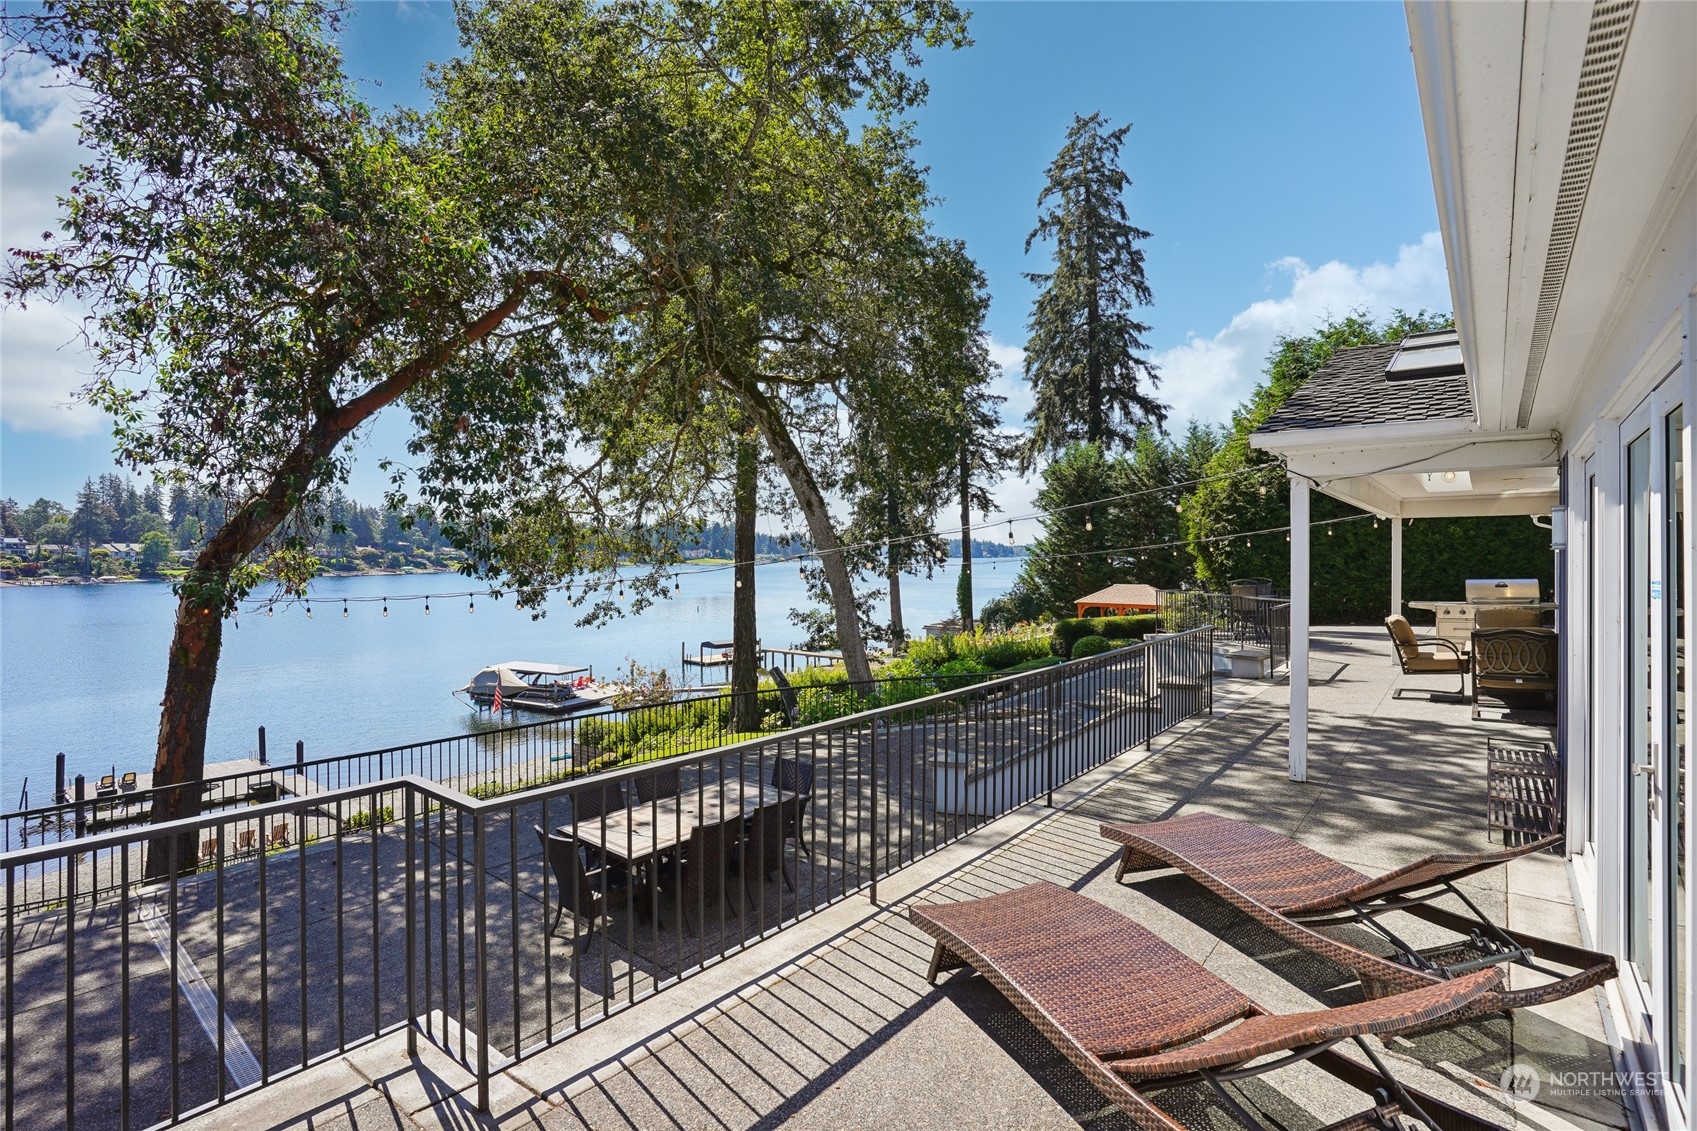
(1070,631)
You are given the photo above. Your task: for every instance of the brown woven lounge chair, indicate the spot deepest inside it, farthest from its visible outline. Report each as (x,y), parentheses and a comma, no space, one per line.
(1131,1012)
(1291,889)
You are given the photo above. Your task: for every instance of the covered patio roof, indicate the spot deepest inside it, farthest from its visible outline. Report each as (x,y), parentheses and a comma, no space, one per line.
(1393,428)
(1400,437)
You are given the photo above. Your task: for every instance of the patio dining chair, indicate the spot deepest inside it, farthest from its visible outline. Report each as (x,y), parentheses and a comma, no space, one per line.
(589,805)
(573,892)
(792,775)
(108,786)
(765,856)
(1137,1017)
(128,781)
(1414,660)
(1516,667)
(658,784)
(700,878)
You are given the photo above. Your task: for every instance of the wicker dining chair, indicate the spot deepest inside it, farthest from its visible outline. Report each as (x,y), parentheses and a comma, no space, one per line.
(658,784)
(1515,666)
(765,856)
(707,860)
(792,775)
(573,892)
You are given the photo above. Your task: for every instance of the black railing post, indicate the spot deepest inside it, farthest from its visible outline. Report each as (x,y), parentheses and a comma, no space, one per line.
(262,759)
(300,756)
(413,926)
(480,892)
(81,816)
(872,812)
(59,778)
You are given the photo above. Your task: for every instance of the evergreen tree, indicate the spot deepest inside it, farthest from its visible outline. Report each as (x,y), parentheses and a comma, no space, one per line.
(1084,358)
(1079,551)
(9,518)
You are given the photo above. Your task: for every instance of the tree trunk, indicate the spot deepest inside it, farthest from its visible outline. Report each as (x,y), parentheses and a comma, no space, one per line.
(964,588)
(893,571)
(825,541)
(745,665)
(196,643)
(180,759)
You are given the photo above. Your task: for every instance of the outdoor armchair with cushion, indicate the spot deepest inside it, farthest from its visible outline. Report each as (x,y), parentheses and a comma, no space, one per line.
(1512,663)
(1290,888)
(573,893)
(1446,660)
(1131,1012)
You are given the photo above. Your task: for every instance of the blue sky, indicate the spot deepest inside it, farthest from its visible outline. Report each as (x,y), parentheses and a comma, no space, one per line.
(1276,155)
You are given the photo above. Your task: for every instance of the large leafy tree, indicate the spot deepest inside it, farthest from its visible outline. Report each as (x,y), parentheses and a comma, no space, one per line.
(767,228)
(270,264)
(1085,356)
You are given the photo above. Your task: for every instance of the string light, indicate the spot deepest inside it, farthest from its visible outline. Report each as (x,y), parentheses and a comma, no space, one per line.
(427,606)
(270,611)
(471,606)
(1088,525)
(385,606)
(309,610)
(344,608)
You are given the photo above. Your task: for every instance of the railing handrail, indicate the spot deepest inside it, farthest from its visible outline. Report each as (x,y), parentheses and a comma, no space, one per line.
(448,794)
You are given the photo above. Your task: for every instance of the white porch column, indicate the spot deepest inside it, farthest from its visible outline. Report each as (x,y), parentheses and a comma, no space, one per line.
(1396,564)
(1299,614)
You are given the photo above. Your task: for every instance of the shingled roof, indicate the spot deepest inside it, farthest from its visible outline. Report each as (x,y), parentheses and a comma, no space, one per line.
(1352,389)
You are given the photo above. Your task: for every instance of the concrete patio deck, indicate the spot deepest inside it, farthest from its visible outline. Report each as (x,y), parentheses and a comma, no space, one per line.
(831,1023)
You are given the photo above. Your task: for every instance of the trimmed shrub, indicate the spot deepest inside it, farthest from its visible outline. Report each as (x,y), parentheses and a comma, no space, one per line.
(1032,665)
(1091,646)
(1073,629)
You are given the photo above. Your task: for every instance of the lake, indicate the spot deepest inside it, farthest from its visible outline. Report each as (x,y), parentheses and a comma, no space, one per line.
(82,667)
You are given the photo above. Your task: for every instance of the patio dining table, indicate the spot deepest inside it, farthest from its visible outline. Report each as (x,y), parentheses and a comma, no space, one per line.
(637,836)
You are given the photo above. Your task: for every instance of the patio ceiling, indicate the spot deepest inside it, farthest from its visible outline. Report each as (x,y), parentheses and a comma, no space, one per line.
(1426,469)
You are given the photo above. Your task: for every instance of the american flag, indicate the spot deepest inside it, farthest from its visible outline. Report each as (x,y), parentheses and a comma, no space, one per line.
(496,706)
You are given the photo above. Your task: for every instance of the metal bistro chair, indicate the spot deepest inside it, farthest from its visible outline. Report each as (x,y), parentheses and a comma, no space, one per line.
(1406,647)
(573,892)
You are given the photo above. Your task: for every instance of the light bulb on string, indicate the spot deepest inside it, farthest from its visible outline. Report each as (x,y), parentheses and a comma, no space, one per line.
(471,605)
(1010,531)
(344,608)
(1088,525)
(385,606)
(270,611)
(309,610)
(739,583)
(427,606)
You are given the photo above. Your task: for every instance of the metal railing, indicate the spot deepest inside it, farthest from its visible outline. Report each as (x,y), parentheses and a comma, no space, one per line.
(299,928)
(1252,621)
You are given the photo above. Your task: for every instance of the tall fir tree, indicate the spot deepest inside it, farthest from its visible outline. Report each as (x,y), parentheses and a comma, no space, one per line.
(1085,357)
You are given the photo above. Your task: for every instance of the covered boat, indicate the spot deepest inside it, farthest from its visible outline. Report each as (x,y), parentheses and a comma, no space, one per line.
(533,686)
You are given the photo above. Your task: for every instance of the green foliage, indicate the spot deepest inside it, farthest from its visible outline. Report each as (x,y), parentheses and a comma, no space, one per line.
(1090,379)
(155,552)
(1091,646)
(364,820)
(994,651)
(1068,632)
(1032,665)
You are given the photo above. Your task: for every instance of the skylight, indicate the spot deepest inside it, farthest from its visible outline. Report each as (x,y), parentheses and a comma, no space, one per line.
(1436,354)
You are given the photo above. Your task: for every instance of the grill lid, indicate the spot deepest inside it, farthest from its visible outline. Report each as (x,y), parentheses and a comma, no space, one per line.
(1495,590)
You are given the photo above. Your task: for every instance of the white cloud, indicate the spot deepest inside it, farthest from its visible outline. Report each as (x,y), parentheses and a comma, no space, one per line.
(41,365)
(1205,378)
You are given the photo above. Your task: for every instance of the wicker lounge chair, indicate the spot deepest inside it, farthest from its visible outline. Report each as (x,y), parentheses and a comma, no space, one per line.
(1447,660)
(1130,1011)
(1291,889)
